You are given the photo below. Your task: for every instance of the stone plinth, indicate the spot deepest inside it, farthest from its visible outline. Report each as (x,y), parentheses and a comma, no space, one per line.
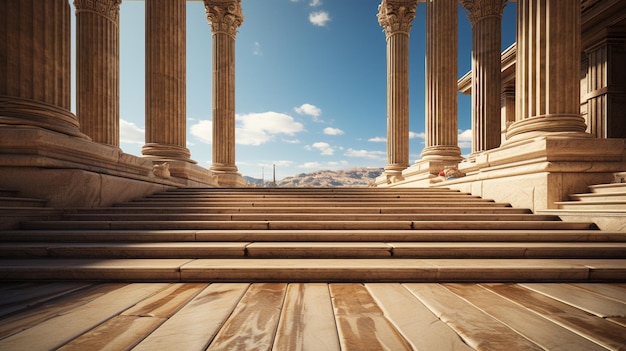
(97,71)
(396,17)
(166,116)
(35,66)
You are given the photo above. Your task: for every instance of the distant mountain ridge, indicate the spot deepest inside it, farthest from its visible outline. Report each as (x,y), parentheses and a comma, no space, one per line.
(352,177)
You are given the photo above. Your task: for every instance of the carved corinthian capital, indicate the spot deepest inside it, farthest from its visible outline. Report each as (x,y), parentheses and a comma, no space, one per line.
(479,9)
(225,16)
(395,16)
(107,8)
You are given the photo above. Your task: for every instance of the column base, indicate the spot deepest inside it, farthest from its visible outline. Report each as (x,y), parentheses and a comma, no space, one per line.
(158,152)
(227,176)
(26,112)
(553,124)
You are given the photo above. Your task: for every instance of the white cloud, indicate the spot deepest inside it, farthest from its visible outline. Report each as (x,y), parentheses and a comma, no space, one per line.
(203,130)
(378,139)
(256,49)
(413,135)
(131,134)
(290,141)
(465,139)
(323,147)
(315,3)
(253,128)
(333,131)
(310,110)
(372,155)
(310,165)
(319,18)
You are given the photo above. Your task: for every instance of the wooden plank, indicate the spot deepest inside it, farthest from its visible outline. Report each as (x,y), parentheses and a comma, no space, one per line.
(196,324)
(130,327)
(539,330)
(50,309)
(166,302)
(415,321)
(478,330)
(253,323)
(56,331)
(361,323)
(582,299)
(614,291)
(307,322)
(18,296)
(118,333)
(594,328)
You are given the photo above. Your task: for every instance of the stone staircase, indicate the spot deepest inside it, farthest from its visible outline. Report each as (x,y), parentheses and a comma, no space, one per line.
(304,235)
(15,208)
(605,205)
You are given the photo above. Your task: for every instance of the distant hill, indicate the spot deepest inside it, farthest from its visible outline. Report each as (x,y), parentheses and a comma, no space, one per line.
(353,177)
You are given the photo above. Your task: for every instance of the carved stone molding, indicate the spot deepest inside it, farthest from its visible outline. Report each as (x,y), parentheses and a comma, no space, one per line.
(396,16)
(225,16)
(480,9)
(107,8)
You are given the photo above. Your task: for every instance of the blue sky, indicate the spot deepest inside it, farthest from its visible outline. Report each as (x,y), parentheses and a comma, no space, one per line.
(310,84)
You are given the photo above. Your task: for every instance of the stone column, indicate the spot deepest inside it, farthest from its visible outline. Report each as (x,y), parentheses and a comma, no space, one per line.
(97,71)
(35,65)
(486,19)
(547,82)
(225,17)
(166,113)
(395,16)
(442,147)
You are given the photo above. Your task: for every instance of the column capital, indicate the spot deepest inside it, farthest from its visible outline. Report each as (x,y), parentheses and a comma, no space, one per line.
(481,9)
(225,16)
(107,8)
(395,16)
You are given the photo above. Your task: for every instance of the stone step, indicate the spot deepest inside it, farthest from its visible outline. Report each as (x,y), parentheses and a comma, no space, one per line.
(600,197)
(475,224)
(315,270)
(312,197)
(299,204)
(484,209)
(461,236)
(592,205)
(329,217)
(286,250)
(608,188)
(303,190)
(14,201)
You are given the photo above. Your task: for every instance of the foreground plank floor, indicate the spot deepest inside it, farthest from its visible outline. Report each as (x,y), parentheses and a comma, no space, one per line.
(312,316)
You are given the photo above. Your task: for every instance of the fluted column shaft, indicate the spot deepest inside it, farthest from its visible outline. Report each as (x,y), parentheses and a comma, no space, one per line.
(486,19)
(441,82)
(35,65)
(166,113)
(548,68)
(225,17)
(396,18)
(97,71)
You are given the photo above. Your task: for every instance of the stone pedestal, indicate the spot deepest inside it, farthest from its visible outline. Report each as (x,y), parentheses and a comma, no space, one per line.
(547,79)
(395,16)
(166,113)
(35,66)
(97,71)
(486,19)
(225,17)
